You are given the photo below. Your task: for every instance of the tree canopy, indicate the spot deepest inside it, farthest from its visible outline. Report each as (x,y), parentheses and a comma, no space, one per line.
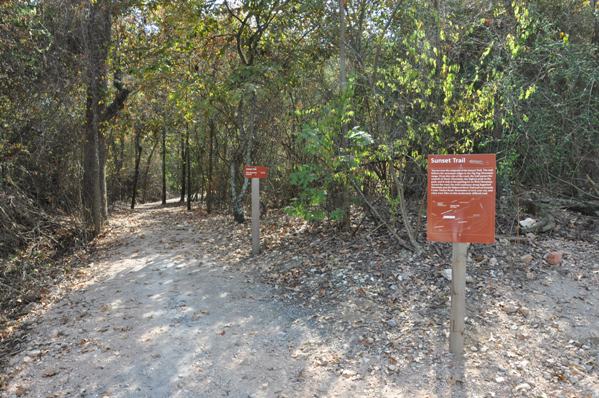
(341,99)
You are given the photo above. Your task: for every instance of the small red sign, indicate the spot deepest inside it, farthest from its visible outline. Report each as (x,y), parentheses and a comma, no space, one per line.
(461,198)
(255,171)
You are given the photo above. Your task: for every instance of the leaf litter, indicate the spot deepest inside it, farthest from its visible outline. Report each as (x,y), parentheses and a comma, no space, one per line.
(532,326)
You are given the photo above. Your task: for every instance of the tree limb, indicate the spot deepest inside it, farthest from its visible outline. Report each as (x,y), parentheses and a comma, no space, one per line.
(119,100)
(375,213)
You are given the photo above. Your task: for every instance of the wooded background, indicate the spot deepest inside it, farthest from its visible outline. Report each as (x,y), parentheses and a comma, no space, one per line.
(105,101)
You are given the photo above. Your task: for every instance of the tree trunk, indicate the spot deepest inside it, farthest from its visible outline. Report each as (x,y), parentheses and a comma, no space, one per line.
(403,209)
(223,185)
(437,31)
(342,58)
(147,172)
(102,152)
(237,204)
(247,142)
(115,160)
(96,38)
(210,188)
(96,42)
(188,163)
(339,190)
(510,9)
(593,4)
(119,168)
(91,174)
(164,166)
(138,149)
(183,169)
(201,175)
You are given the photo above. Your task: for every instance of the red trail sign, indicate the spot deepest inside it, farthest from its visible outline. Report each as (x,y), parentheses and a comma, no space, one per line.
(461,198)
(255,172)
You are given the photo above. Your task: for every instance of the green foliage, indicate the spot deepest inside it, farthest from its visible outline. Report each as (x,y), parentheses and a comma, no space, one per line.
(331,155)
(519,81)
(550,103)
(521,85)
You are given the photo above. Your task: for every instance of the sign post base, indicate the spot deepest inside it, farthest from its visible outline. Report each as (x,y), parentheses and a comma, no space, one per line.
(458,297)
(255,216)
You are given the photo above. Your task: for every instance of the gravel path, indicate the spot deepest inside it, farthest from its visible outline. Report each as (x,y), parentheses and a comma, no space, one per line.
(159,318)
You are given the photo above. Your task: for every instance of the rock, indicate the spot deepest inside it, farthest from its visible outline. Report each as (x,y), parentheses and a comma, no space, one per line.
(525,312)
(548,225)
(478,258)
(20,391)
(528,223)
(56,334)
(446,274)
(526,259)
(493,262)
(553,257)
(392,368)
(50,372)
(392,323)
(510,309)
(347,373)
(34,353)
(499,379)
(522,387)
(522,365)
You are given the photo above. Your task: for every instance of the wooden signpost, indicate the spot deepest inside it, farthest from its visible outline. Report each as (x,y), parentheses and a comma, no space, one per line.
(461,210)
(255,173)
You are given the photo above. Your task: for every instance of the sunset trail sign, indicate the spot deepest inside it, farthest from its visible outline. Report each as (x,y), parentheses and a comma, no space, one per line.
(461,210)
(461,198)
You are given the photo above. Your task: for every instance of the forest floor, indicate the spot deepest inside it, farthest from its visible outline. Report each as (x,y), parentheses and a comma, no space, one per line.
(173,305)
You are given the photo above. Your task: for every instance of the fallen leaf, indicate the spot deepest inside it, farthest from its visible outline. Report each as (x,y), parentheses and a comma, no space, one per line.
(554,257)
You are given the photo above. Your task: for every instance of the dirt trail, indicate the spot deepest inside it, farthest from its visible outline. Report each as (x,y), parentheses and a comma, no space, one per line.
(159,318)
